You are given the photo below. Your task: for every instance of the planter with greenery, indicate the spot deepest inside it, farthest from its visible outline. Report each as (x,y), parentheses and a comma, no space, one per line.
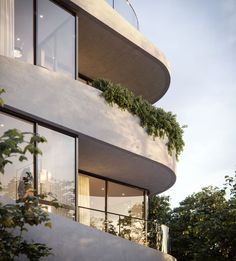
(156,121)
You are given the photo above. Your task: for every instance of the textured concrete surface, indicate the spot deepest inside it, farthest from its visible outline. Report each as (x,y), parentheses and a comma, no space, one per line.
(136,158)
(72,241)
(111,48)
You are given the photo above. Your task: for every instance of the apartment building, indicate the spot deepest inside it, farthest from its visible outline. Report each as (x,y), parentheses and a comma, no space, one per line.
(98,161)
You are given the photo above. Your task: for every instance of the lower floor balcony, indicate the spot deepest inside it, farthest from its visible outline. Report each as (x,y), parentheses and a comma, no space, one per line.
(96,201)
(73,241)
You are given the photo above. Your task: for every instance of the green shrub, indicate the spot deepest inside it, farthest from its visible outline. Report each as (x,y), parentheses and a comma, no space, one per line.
(156,121)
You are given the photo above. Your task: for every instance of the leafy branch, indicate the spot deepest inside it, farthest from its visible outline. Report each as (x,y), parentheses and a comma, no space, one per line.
(16,218)
(155,121)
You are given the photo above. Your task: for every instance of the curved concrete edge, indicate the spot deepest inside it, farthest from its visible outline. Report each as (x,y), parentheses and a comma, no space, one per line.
(67,102)
(102,11)
(142,51)
(72,241)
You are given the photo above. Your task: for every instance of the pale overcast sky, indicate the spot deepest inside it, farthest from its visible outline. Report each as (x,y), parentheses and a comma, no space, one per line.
(198,38)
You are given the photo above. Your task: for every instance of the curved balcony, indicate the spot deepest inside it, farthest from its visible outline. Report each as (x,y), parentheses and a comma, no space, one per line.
(111,142)
(111,48)
(86,243)
(125,8)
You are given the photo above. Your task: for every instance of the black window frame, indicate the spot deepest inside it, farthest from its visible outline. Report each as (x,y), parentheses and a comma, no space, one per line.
(35,32)
(35,121)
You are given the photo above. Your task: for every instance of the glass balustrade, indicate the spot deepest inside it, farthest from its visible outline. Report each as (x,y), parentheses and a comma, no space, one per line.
(125,8)
(145,232)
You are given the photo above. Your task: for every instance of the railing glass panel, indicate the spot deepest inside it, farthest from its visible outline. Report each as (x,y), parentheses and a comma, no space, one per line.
(125,8)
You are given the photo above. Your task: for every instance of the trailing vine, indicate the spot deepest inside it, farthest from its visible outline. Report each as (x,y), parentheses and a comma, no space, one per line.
(155,121)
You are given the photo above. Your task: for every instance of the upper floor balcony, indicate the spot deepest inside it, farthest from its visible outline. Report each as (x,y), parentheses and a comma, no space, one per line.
(84,40)
(112,142)
(125,8)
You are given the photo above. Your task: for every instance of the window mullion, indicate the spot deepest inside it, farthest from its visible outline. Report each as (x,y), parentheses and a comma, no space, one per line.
(35,160)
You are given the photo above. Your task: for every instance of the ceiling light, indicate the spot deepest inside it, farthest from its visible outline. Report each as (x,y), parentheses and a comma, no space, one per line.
(2,125)
(17,39)
(41,16)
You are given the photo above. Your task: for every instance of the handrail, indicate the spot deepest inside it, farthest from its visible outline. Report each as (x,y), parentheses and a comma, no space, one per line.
(150,233)
(128,2)
(115,4)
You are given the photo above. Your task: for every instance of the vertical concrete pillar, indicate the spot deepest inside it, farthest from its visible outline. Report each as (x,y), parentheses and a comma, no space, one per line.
(7,27)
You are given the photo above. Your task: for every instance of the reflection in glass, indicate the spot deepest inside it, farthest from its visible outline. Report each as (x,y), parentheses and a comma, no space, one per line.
(56,38)
(13,178)
(132,229)
(57,170)
(113,224)
(125,200)
(23,49)
(91,192)
(92,218)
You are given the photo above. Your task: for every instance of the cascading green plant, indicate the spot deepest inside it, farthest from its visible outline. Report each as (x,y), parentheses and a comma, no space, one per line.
(156,121)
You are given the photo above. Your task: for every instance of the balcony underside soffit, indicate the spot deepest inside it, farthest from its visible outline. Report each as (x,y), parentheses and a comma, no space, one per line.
(114,163)
(104,53)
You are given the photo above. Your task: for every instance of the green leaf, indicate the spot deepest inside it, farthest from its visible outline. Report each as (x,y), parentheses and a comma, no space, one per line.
(48,224)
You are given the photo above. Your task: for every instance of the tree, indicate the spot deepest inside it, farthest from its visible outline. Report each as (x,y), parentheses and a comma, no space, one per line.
(16,218)
(159,213)
(203,227)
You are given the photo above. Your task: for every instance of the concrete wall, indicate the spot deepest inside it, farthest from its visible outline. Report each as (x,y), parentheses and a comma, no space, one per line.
(107,15)
(113,49)
(72,241)
(70,103)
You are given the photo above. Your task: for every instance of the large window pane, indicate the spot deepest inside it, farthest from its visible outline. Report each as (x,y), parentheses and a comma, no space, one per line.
(113,224)
(92,218)
(56,38)
(23,49)
(57,170)
(125,200)
(132,229)
(12,180)
(91,192)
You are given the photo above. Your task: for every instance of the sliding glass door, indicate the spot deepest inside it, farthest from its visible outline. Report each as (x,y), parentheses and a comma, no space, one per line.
(55,38)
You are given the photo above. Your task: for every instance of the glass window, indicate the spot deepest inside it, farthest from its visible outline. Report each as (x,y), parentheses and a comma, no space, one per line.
(57,170)
(92,218)
(91,192)
(125,200)
(23,49)
(113,224)
(132,229)
(12,179)
(55,38)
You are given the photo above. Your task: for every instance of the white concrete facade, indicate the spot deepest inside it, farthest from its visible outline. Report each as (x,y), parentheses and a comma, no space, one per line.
(79,107)
(112,144)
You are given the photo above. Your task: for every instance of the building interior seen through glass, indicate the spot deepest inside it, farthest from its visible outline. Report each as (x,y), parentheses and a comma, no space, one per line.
(112,207)
(55,34)
(57,170)
(12,179)
(106,205)
(56,167)
(23,39)
(55,38)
